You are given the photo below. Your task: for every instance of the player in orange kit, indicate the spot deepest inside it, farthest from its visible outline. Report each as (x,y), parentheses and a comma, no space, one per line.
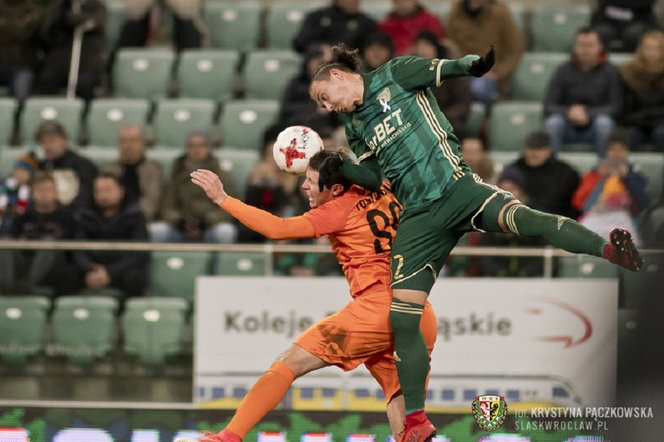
(360,225)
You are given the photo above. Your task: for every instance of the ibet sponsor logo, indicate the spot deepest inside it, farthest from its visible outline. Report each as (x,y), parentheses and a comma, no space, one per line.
(576,418)
(387,130)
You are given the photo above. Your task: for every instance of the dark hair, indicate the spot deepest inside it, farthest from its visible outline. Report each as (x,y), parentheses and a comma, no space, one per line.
(344,59)
(587,30)
(619,136)
(316,161)
(51,128)
(110,175)
(42,177)
(538,140)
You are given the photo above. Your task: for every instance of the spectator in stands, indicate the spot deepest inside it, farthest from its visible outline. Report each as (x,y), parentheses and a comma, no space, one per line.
(379,50)
(19,45)
(144,16)
(341,22)
(549,182)
(142,178)
(584,96)
(15,190)
(621,23)
(23,270)
(62,19)
(188,214)
(612,194)
(512,180)
(297,107)
(644,99)
(453,96)
(479,160)
(73,173)
(405,21)
(474,25)
(110,219)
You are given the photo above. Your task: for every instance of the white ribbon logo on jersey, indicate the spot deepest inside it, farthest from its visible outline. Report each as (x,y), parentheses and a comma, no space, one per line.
(383,98)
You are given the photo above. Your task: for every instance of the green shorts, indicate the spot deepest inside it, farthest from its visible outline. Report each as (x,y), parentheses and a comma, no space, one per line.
(426,237)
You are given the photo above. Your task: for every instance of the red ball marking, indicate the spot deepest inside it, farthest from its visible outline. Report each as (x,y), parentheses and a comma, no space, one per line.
(291,153)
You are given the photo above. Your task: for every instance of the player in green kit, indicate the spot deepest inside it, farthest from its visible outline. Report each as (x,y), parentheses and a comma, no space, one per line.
(396,129)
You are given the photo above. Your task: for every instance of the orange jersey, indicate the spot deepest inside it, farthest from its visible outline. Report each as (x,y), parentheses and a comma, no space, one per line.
(361,226)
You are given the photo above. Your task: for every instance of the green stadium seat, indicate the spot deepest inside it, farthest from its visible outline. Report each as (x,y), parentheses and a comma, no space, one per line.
(244,121)
(475,118)
(637,287)
(531,78)
(283,21)
(173,274)
(238,162)
(581,161)
(267,73)
(8,156)
(115,18)
(554,26)
(586,266)
(207,74)
(651,164)
(152,328)
(240,264)
(38,109)
(518,12)
(99,155)
(22,326)
(174,118)
(84,327)
(8,108)
(511,122)
(233,25)
(165,157)
(142,73)
(376,9)
(106,115)
(619,58)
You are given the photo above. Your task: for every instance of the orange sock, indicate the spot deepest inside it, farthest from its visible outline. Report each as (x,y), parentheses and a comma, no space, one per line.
(266,394)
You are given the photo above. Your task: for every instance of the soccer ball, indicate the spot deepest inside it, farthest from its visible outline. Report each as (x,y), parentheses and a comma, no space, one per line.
(294,147)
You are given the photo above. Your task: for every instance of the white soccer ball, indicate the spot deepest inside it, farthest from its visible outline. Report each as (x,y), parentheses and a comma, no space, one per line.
(294,147)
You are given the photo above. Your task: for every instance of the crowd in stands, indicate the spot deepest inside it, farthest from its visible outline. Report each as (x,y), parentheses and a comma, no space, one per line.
(57,193)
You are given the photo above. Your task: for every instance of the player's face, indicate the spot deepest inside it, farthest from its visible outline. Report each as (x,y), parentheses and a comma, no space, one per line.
(310,187)
(335,94)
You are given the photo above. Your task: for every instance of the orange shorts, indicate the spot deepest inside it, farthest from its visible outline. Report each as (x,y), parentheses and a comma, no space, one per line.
(361,333)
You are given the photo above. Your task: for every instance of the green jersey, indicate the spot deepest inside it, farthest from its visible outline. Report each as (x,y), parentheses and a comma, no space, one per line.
(401,124)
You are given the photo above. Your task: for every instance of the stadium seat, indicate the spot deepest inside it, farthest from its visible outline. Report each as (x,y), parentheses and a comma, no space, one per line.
(619,58)
(518,12)
(511,122)
(142,73)
(244,121)
(84,327)
(530,80)
(582,162)
(173,274)
(207,74)
(554,26)
(22,326)
(637,287)
(232,24)
(240,264)
(106,115)
(8,156)
(38,109)
(376,9)
(586,266)
(475,118)
(165,157)
(283,21)
(7,110)
(173,119)
(239,163)
(267,73)
(651,164)
(152,328)
(99,155)
(115,18)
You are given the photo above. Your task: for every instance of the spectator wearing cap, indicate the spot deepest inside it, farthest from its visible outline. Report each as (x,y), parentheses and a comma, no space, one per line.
(549,182)
(73,173)
(15,190)
(613,193)
(378,51)
(187,213)
(405,21)
(453,96)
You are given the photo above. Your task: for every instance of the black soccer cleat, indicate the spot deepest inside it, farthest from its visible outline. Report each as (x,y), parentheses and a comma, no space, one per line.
(625,253)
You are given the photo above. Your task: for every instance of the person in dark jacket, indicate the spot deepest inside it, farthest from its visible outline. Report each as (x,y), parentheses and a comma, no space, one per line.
(73,173)
(342,22)
(623,22)
(110,220)
(549,182)
(19,45)
(61,20)
(23,270)
(584,96)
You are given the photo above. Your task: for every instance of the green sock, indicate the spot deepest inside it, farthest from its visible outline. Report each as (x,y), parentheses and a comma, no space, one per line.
(564,233)
(411,355)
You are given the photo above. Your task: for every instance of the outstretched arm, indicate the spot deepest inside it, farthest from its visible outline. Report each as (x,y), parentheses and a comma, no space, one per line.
(367,174)
(258,220)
